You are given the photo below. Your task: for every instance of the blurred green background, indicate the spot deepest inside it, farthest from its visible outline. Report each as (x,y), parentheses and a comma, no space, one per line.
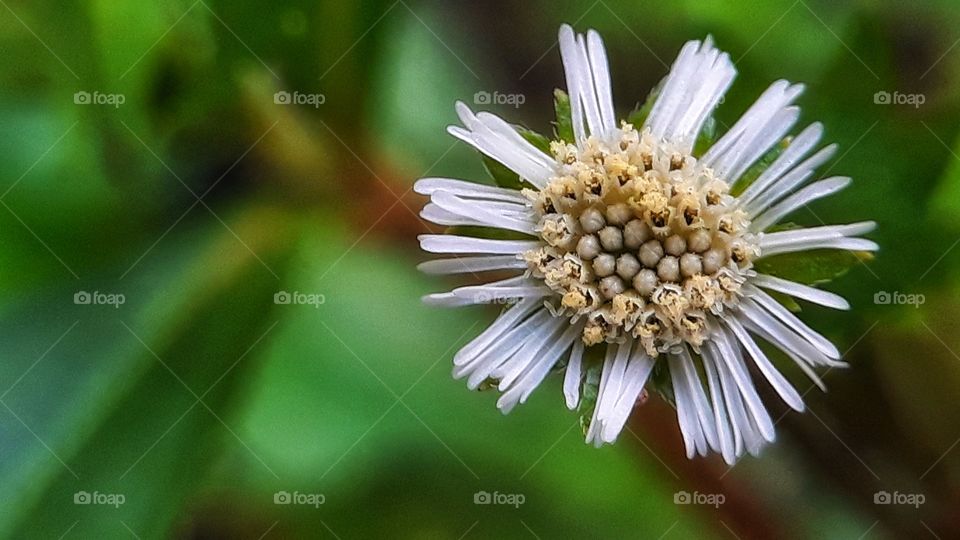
(200,403)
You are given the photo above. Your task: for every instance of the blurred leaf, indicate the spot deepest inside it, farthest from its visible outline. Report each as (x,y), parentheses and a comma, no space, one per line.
(122,417)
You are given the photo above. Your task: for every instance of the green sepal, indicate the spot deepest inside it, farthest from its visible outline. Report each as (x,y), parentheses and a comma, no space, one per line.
(563,126)
(757,169)
(811,267)
(492,233)
(706,137)
(642,112)
(785,300)
(590,386)
(662,382)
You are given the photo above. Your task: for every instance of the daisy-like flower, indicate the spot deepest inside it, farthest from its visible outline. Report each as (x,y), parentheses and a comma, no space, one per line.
(637,246)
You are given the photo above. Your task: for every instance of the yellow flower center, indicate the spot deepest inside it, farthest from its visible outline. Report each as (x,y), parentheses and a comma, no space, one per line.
(639,239)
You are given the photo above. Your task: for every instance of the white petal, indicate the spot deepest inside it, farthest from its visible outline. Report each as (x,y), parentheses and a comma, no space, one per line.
(803,292)
(690,430)
(767,108)
(805,196)
(490,135)
(786,338)
(483,366)
(695,389)
(614,367)
(696,83)
(635,378)
(849,244)
(486,214)
(723,422)
(780,384)
(497,292)
(429,186)
(600,68)
(449,243)
(588,83)
(733,360)
(571,379)
(472,264)
(777,310)
(534,375)
(784,185)
(534,349)
(751,148)
(505,322)
(776,241)
(795,151)
(774,333)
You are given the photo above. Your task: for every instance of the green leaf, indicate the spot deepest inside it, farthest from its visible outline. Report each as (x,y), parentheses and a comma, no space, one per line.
(757,169)
(811,267)
(563,127)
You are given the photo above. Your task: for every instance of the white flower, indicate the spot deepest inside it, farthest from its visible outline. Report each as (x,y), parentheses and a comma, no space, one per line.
(635,245)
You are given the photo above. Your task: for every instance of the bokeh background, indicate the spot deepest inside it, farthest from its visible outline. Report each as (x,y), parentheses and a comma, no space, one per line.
(183,186)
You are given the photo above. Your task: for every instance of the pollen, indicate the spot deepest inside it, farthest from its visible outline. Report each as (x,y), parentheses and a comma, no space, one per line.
(639,240)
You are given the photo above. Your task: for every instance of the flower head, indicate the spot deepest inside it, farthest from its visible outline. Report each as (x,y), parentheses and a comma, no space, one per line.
(636,246)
